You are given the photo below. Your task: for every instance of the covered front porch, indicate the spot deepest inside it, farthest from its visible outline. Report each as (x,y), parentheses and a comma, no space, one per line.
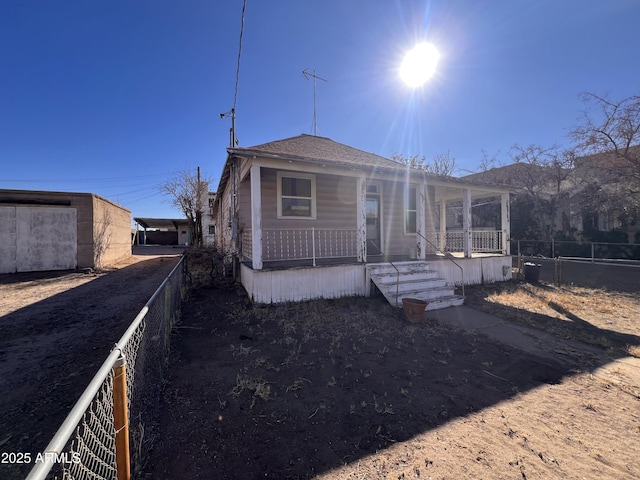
(280,264)
(321,238)
(386,219)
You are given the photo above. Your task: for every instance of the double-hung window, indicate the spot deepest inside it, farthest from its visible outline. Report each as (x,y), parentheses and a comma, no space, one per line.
(410,212)
(296,195)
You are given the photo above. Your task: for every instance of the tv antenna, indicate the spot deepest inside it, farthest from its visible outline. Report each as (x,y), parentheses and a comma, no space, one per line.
(315,77)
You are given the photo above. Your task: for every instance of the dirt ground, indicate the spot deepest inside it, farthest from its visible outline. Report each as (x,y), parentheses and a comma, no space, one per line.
(56,330)
(602,318)
(347,389)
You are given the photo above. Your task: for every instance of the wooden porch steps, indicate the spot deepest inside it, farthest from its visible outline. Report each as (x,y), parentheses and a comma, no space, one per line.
(413,279)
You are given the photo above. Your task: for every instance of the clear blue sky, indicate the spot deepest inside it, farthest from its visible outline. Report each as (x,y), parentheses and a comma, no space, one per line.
(111,97)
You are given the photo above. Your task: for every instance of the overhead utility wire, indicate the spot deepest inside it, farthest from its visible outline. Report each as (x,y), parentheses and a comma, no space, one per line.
(232,113)
(235,94)
(96,179)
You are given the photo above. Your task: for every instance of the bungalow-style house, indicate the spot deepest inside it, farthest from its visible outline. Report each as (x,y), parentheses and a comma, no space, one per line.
(307,217)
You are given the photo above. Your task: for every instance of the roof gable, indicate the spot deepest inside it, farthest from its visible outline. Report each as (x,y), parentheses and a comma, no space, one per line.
(326,152)
(318,150)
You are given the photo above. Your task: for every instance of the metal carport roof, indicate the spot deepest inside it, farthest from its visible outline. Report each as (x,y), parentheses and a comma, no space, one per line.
(160,223)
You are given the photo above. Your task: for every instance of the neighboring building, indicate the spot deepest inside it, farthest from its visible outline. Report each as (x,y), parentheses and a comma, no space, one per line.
(208,222)
(162,231)
(58,231)
(307,217)
(591,196)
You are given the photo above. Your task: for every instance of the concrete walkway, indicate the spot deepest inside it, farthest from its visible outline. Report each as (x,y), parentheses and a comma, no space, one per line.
(623,372)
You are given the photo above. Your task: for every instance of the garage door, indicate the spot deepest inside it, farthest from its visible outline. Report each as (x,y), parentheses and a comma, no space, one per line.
(38,238)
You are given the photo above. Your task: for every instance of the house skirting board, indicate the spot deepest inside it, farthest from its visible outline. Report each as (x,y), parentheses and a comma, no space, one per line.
(336,281)
(476,270)
(297,284)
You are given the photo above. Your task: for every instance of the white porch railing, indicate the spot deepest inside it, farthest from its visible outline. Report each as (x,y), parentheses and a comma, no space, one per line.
(482,241)
(246,247)
(303,243)
(315,243)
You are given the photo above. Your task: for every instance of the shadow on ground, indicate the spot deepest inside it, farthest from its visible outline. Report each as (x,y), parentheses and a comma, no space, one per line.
(51,348)
(612,343)
(296,390)
(153,250)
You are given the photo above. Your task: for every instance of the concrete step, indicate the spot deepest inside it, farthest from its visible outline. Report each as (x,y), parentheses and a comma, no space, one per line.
(445,302)
(392,278)
(413,286)
(428,295)
(413,280)
(402,267)
(437,303)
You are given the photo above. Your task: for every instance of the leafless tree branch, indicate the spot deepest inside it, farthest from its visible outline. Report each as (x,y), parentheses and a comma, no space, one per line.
(190,195)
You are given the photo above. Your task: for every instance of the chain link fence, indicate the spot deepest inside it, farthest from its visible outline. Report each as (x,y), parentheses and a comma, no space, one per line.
(570,249)
(611,266)
(98,438)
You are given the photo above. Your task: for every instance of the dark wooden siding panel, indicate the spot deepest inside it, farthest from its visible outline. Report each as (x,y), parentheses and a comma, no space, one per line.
(269,198)
(244,204)
(432,212)
(396,242)
(336,201)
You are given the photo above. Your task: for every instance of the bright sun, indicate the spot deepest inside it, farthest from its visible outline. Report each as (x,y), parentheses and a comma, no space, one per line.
(419,64)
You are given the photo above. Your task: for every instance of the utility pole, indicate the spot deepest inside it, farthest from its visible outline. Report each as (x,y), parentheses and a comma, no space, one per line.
(232,133)
(197,240)
(315,77)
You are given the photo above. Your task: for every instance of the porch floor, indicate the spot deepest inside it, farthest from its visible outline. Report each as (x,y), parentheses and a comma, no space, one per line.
(320,262)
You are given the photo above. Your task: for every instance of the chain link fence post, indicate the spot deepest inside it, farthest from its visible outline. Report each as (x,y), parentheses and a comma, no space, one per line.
(120,419)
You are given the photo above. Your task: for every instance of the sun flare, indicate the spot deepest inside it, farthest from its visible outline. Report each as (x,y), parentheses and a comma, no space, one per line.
(419,64)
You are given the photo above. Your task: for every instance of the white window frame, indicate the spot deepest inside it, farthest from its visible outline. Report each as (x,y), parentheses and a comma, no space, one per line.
(374,188)
(407,191)
(305,176)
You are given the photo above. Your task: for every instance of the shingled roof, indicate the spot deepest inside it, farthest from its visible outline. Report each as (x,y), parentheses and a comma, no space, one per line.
(309,148)
(324,151)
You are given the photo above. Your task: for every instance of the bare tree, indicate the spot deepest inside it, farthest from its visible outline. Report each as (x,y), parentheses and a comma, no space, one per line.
(413,161)
(543,174)
(442,163)
(610,131)
(487,162)
(612,126)
(543,169)
(188,192)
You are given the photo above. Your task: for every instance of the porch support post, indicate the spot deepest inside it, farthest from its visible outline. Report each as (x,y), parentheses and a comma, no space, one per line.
(443,225)
(467,240)
(361,219)
(505,223)
(421,212)
(256,218)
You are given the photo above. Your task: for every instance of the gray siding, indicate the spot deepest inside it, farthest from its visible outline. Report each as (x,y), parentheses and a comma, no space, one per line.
(395,241)
(336,199)
(335,203)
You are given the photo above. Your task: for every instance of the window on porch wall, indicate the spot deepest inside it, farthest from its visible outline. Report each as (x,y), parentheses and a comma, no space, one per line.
(411,212)
(296,195)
